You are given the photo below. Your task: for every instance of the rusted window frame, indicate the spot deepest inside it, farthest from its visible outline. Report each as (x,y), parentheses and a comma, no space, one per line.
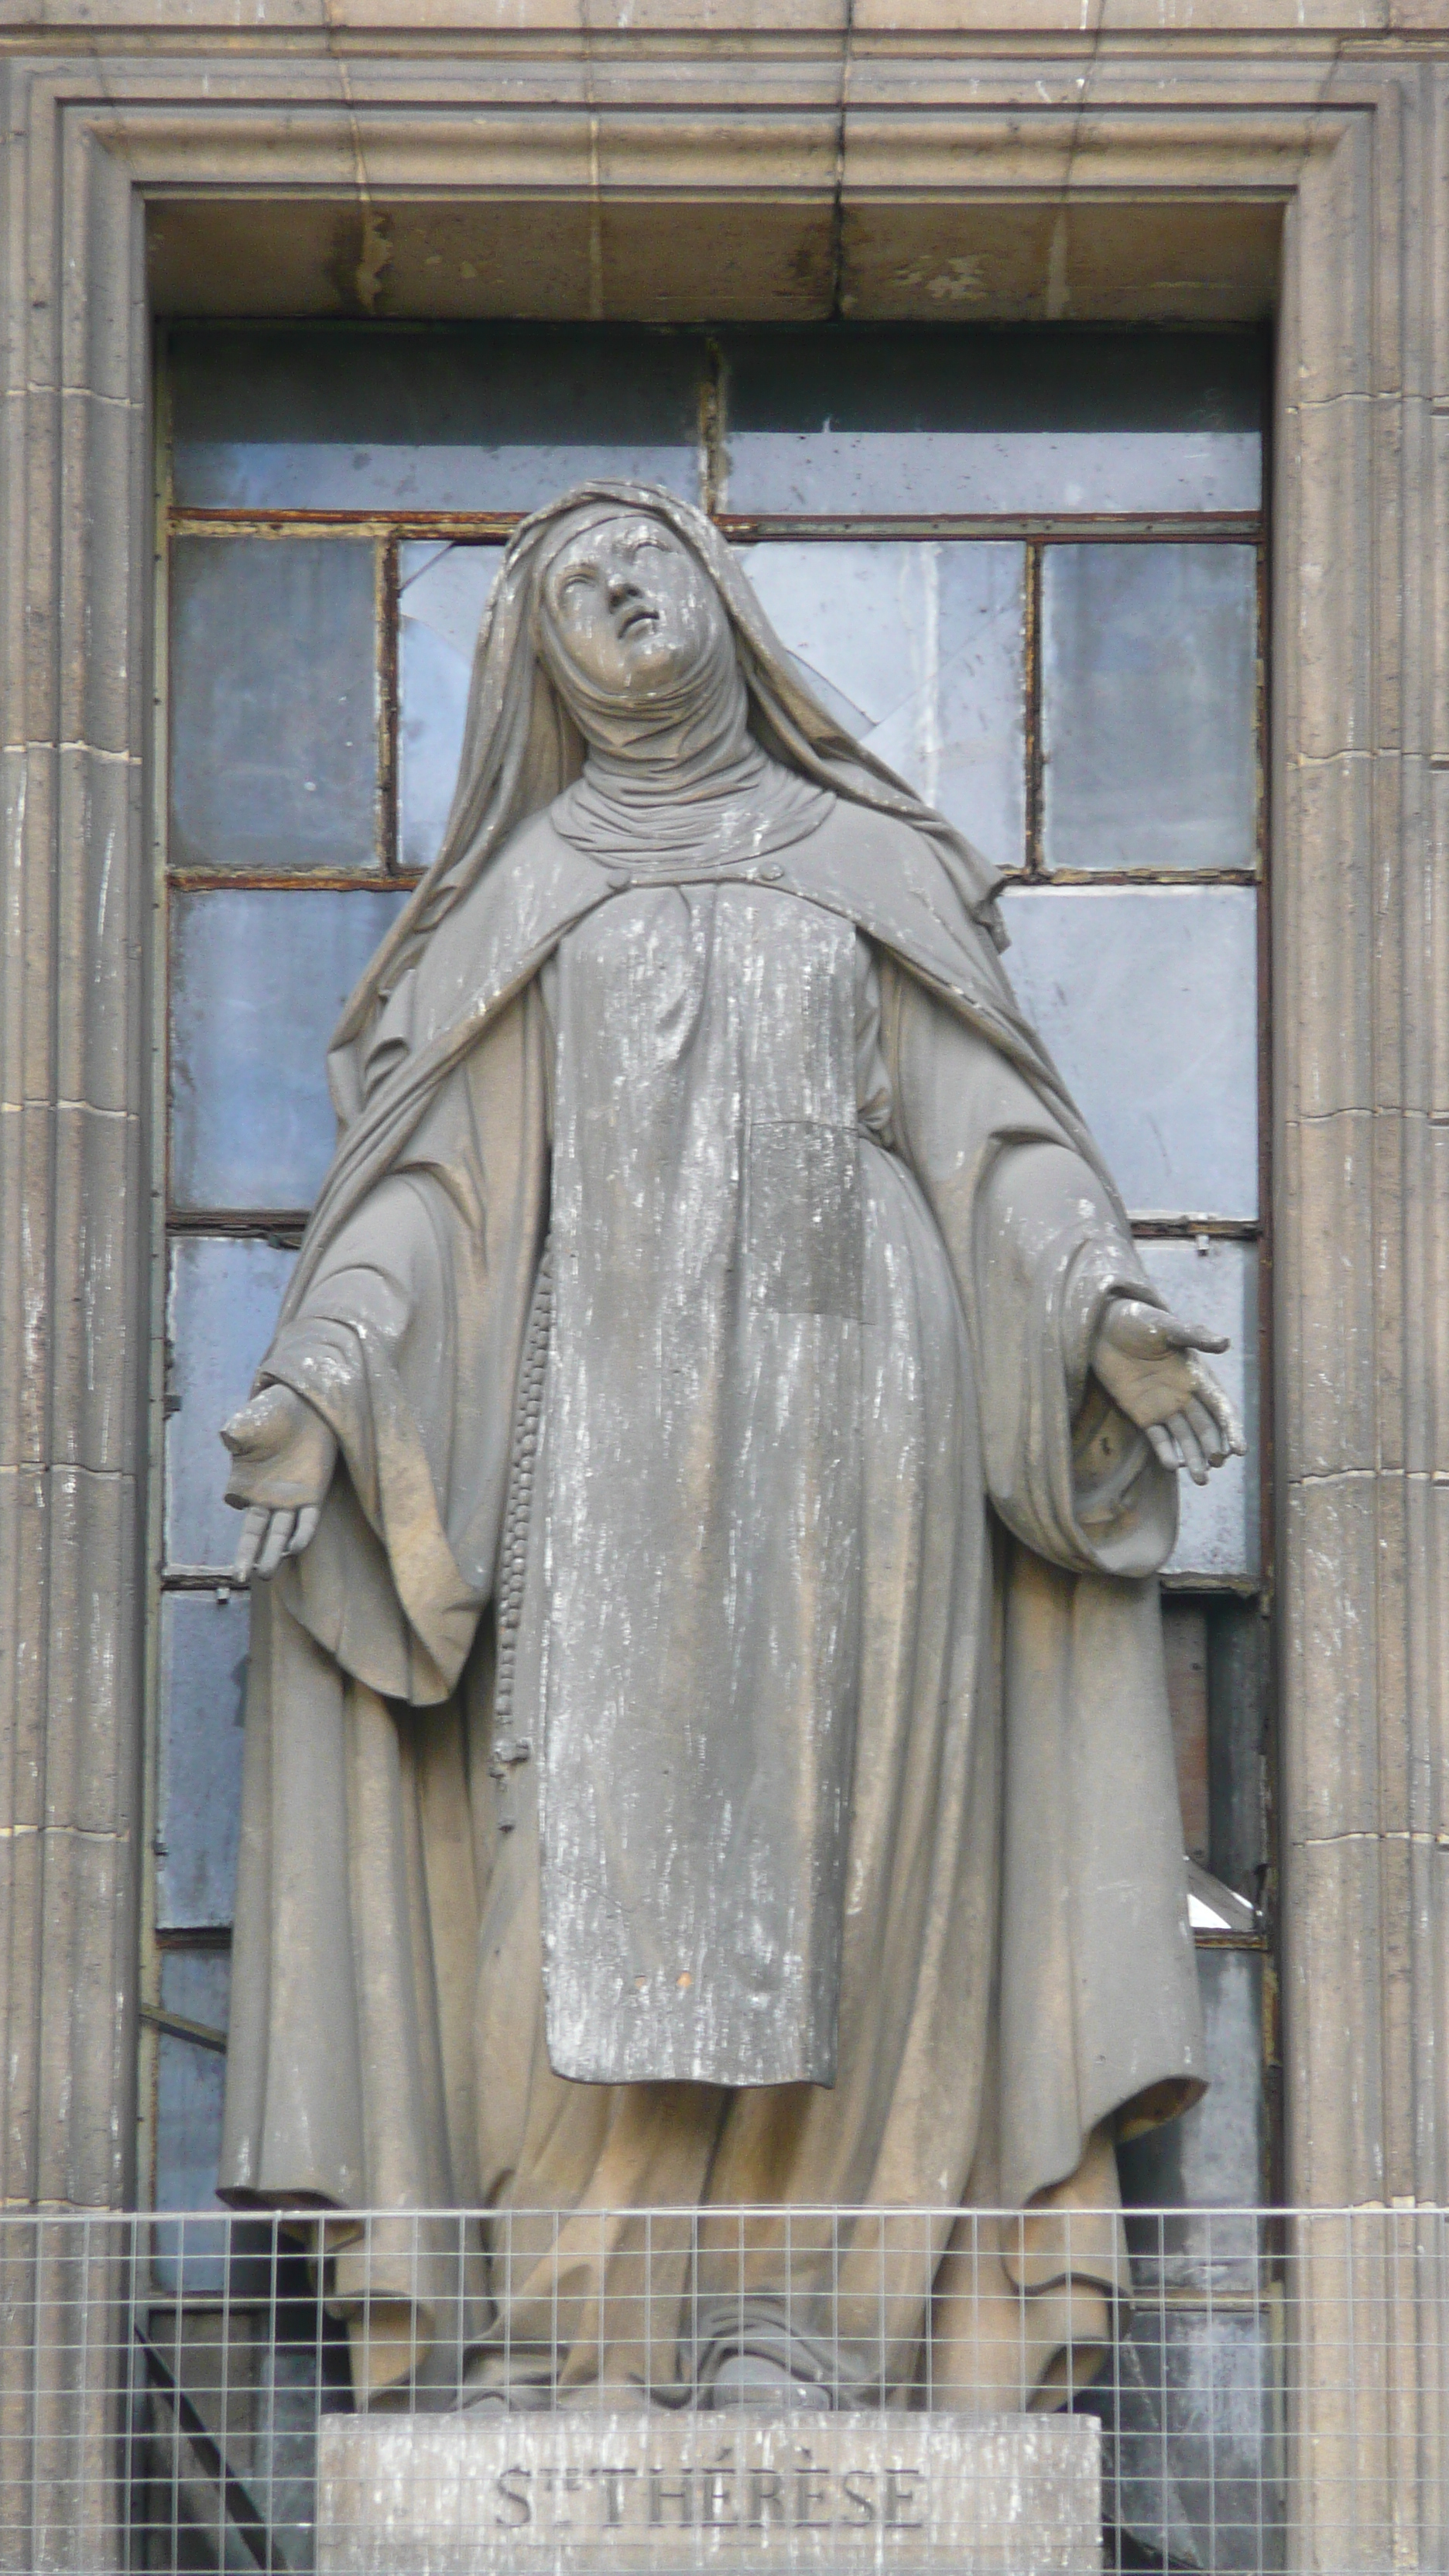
(389,530)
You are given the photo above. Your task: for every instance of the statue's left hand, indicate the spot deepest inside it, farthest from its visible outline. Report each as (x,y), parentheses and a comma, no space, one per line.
(1147,1361)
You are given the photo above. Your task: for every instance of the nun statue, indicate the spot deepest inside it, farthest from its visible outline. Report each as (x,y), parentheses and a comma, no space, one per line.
(706,1744)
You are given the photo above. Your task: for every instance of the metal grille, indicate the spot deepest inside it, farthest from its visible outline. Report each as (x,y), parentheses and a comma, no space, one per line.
(1269,2386)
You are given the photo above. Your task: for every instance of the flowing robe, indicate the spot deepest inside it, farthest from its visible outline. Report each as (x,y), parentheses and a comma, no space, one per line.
(944,1654)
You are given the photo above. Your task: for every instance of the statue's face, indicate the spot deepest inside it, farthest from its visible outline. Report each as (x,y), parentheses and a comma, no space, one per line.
(634,609)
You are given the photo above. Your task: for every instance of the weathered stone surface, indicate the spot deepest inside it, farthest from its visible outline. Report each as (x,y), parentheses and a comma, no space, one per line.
(586,2494)
(193,98)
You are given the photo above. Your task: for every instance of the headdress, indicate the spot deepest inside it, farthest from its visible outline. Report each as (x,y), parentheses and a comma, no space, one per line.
(522,746)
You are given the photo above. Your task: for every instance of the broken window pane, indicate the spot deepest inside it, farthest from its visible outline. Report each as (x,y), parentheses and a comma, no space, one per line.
(916,649)
(480,416)
(442,593)
(892,419)
(1149,696)
(1147,997)
(274,703)
(258,980)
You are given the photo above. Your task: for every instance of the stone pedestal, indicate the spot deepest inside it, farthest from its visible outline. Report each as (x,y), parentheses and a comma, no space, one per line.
(587,2493)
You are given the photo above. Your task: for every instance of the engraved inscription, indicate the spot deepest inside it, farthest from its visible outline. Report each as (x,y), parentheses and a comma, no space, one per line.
(595,2493)
(717,2494)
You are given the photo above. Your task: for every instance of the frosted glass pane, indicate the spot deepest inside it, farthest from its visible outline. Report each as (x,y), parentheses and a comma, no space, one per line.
(196,1984)
(917,649)
(1218,1286)
(221,1312)
(489,417)
(1195,2473)
(190,2080)
(190,2255)
(971,471)
(1147,998)
(258,980)
(190,2084)
(1185,1653)
(1149,689)
(274,703)
(203,1689)
(891,419)
(443,590)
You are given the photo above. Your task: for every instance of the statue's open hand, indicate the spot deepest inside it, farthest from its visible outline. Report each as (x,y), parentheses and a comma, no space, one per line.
(283,1455)
(1147,1361)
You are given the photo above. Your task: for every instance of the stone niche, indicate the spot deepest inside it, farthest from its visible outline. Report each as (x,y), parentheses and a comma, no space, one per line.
(584,2493)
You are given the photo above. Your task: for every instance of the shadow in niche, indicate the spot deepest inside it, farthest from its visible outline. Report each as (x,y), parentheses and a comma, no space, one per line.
(225,2409)
(1187,2483)
(1144,2524)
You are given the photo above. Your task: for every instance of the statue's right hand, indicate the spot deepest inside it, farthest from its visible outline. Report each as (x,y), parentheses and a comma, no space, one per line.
(283,1456)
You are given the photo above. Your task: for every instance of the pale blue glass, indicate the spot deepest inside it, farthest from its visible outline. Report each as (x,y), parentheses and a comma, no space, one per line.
(1147,998)
(442,593)
(258,980)
(916,648)
(190,2085)
(1149,706)
(483,416)
(1215,1282)
(190,2257)
(893,419)
(221,1313)
(274,703)
(203,1691)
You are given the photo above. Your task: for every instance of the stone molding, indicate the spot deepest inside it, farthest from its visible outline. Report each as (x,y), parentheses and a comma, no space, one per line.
(1010,29)
(921,115)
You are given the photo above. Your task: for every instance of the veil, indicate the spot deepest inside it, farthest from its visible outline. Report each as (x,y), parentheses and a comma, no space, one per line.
(522,748)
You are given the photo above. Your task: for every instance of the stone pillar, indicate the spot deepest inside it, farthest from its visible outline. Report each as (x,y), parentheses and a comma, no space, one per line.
(1361,1254)
(1359,1004)
(74,1294)
(74,1220)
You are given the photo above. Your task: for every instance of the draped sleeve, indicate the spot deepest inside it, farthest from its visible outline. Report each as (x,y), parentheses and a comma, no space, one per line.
(1092,1874)
(1037,1252)
(407,1342)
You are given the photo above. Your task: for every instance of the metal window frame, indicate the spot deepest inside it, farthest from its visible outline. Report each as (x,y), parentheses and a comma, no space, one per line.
(388,530)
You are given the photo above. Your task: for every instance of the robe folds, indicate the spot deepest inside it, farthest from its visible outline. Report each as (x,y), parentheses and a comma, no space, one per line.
(444,1916)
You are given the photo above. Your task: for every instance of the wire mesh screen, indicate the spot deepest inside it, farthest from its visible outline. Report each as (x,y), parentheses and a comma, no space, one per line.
(675,2391)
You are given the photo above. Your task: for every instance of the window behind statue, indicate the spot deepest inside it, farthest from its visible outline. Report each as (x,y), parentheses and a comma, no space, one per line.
(1024,568)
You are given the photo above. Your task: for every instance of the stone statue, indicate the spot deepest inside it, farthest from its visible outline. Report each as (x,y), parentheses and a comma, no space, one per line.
(707,1740)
